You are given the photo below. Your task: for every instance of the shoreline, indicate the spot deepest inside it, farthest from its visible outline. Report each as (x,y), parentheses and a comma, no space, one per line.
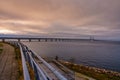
(94,72)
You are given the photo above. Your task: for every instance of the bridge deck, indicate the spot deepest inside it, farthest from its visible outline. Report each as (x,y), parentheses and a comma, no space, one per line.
(8,65)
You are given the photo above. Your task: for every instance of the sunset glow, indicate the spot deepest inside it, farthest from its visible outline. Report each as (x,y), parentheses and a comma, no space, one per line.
(7,32)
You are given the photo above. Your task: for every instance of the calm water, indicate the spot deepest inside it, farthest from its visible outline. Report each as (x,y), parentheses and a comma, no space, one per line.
(103,55)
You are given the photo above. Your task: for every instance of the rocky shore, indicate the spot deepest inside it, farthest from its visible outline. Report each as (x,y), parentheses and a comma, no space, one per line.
(97,73)
(104,71)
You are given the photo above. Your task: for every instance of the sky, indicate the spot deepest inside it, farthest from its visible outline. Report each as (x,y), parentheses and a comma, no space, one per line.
(99,18)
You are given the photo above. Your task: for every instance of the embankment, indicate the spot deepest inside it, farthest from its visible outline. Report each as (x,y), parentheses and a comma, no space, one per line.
(96,73)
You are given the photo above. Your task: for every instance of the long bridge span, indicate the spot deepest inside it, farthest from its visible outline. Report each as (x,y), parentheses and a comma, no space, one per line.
(39,39)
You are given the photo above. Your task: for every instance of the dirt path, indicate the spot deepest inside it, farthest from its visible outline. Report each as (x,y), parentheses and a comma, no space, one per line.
(8,64)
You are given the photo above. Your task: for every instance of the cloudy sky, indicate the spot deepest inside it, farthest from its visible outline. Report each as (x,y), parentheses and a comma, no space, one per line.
(60,17)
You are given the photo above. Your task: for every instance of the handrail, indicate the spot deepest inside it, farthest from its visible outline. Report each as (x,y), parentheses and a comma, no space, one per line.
(60,77)
(44,77)
(25,69)
(39,72)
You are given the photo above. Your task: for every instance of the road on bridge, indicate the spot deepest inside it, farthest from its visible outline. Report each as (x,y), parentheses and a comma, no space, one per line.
(8,64)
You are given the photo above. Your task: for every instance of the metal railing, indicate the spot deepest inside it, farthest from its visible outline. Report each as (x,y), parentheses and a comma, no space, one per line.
(25,69)
(39,73)
(24,66)
(59,76)
(28,57)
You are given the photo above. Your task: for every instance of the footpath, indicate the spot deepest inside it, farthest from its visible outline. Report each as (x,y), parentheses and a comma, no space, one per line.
(8,63)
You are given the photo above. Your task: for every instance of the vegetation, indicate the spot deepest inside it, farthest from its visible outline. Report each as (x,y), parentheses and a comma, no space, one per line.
(1,45)
(91,72)
(20,69)
(32,74)
(1,51)
(19,62)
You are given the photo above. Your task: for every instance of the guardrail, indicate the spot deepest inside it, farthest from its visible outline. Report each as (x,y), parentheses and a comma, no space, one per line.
(39,73)
(28,56)
(60,77)
(25,69)
(24,66)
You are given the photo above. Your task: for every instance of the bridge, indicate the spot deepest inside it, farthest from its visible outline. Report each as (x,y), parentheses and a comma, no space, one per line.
(39,39)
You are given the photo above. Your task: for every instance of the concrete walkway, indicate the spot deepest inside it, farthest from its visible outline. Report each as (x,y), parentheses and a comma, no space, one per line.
(8,64)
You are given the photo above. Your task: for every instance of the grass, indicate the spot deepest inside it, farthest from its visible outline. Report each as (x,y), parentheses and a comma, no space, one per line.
(84,77)
(32,74)
(18,58)
(20,69)
(90,72)
(1,49)
(81,76)
(1,45)
(19,62)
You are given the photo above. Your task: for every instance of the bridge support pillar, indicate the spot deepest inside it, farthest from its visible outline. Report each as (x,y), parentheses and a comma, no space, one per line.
(59,40)
(51,40)
(55,40)
(39,40)
(45,40)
